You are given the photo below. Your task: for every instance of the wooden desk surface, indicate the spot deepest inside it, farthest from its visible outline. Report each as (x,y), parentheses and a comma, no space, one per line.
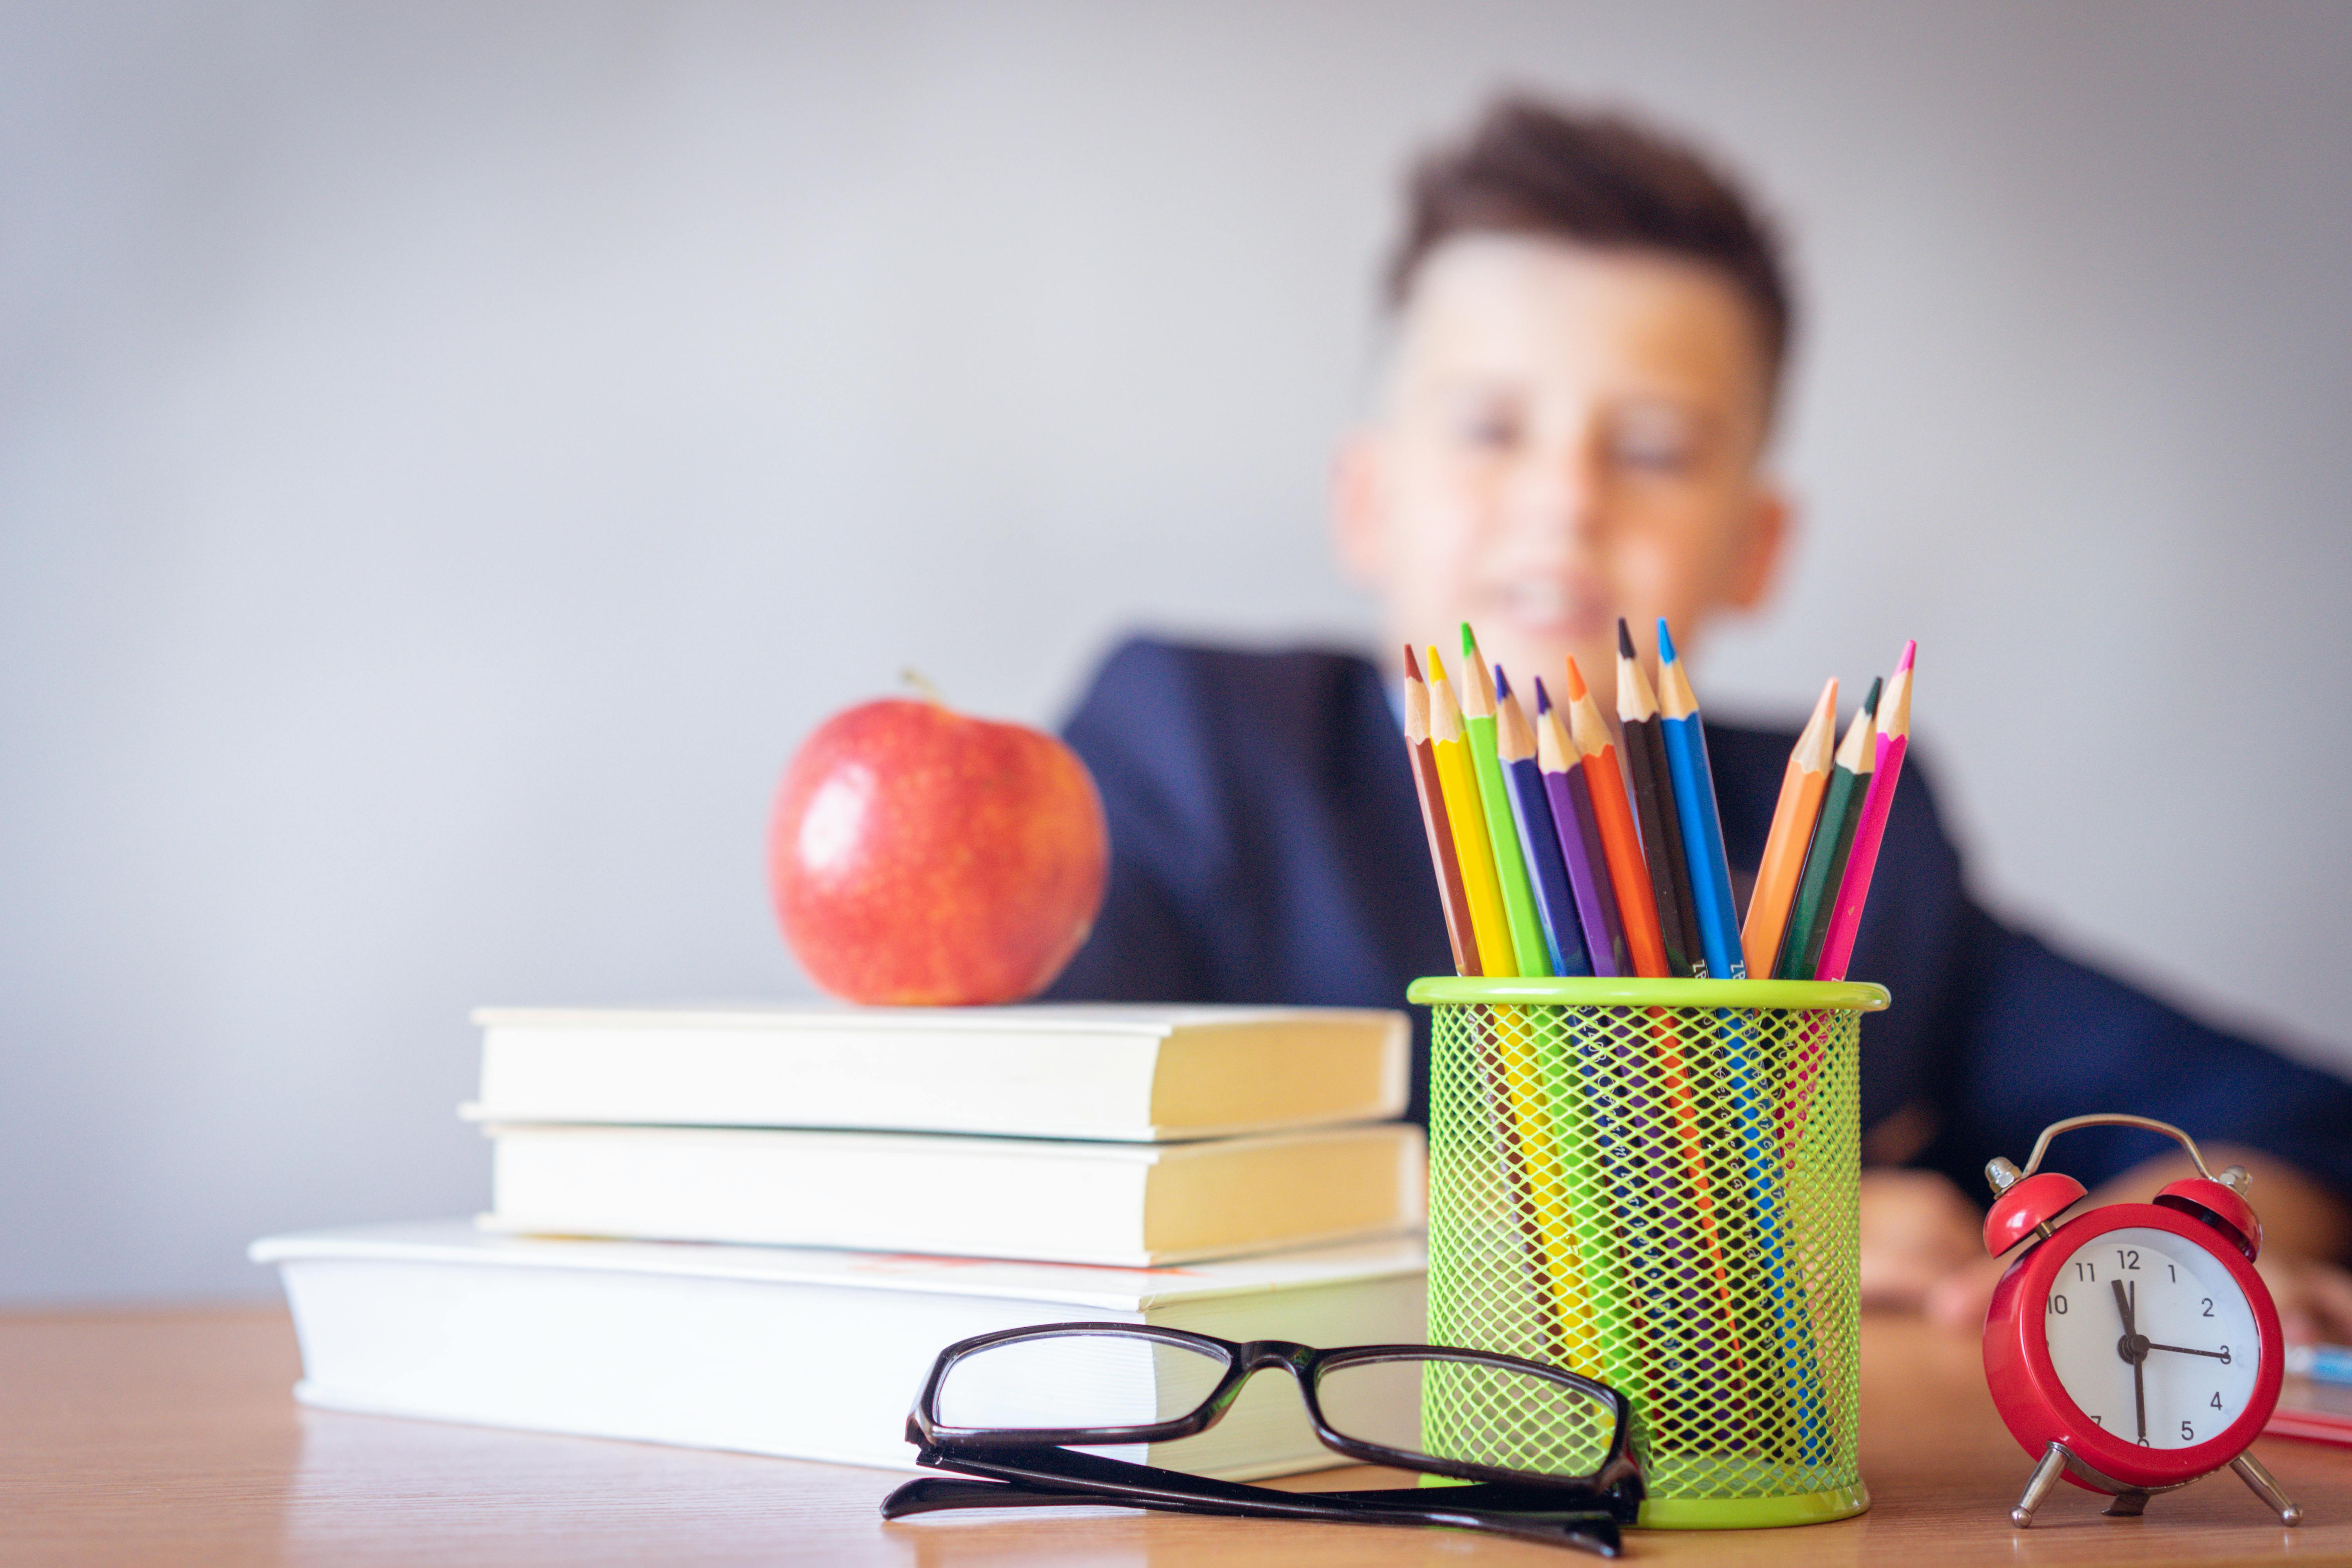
(171,1437)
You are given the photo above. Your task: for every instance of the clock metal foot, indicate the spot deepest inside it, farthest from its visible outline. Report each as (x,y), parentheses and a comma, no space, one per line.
(2250,1471)
(2045,1476)
(2128,1504)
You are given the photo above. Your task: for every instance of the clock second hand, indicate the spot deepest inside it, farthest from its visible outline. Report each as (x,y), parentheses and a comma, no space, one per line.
(2130,1343)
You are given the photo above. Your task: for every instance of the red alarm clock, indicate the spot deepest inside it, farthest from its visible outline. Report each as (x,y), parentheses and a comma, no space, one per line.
(2132,1349)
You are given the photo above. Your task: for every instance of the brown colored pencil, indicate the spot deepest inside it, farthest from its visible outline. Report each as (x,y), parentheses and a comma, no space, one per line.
(1654,800)
(1441,856)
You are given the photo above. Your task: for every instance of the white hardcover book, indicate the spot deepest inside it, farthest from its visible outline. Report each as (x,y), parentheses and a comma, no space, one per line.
(798,1352)
(1046,1070)
(1127,1205)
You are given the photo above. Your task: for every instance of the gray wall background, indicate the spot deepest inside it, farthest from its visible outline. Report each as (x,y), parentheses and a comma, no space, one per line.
(449,453)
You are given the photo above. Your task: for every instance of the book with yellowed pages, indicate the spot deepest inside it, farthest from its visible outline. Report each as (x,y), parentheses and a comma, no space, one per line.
(804,1354)
(1043,1070)
(1127,1204)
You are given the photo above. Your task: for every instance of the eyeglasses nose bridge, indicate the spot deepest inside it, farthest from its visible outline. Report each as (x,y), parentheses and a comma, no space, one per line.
(1255,1355)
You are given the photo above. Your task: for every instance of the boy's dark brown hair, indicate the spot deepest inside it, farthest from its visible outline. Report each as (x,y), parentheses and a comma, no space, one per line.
(1529,167)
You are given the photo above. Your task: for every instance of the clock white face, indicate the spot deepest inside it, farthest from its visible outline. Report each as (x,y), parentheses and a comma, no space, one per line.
(2152,1338)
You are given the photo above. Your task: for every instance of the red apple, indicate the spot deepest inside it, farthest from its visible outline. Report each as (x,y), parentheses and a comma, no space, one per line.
(920,856)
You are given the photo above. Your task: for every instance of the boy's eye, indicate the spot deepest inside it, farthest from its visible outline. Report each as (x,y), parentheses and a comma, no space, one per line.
(1495,429)
(1654,441)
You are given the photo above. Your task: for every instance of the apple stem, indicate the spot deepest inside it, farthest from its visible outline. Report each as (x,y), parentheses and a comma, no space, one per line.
(922,683)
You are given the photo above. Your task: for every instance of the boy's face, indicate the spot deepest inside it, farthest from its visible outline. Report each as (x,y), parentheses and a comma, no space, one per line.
(1569,434)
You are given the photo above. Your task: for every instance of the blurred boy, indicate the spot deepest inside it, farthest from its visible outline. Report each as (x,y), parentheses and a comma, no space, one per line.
(1589,325)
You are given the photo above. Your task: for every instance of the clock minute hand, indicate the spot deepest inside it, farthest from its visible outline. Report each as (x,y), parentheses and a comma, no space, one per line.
(2131,1347)
(2184,1350)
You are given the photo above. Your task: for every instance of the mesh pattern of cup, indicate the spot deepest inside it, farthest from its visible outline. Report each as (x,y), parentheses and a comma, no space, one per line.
(1664,1199)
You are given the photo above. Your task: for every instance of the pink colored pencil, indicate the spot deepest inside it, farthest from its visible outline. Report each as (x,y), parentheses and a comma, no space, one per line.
(1893,738)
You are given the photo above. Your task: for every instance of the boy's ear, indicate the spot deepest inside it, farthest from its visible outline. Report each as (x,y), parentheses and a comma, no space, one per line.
(1766,545)
(1359,508)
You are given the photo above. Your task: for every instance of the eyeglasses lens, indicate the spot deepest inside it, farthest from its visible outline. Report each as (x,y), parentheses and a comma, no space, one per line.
(1077,1379)
(1469,1412)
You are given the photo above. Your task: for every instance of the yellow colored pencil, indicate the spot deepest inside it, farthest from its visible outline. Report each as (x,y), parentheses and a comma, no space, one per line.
(1465,814)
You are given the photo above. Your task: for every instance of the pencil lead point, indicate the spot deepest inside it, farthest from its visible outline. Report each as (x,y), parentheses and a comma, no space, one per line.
(1905,662)
(1666,643)
(1543,699)
(1870,700)
(1576,687)
(1469,642)
(1624,639)
(1412,668)
(1436,665)
(1502,684)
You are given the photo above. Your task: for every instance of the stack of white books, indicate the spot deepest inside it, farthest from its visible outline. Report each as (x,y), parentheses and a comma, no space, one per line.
(753,1229)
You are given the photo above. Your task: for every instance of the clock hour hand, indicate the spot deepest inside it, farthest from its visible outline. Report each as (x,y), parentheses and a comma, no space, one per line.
(2184,1350)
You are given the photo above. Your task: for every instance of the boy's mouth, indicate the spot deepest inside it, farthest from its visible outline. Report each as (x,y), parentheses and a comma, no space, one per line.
(1552,609)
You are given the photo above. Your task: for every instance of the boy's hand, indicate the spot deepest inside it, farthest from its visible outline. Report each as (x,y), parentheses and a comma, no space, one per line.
(1917,1232)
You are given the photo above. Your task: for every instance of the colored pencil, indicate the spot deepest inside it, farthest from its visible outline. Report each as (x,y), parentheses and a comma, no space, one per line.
(1637,906)
(1654,797)
(1893,739)
(1532,813)
(1466,816)
(1802,784)
(1579,843)
(1444,857)
(1817,887)
(1502,834)
(1710,873)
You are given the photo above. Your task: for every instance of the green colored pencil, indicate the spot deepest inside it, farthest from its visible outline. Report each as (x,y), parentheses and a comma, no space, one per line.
(1510,859)
(1817,885)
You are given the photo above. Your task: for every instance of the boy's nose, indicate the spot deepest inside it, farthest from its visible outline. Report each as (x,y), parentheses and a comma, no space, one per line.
(1560,491)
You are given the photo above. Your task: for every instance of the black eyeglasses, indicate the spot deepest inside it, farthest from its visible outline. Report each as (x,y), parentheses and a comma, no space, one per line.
(1545,1453)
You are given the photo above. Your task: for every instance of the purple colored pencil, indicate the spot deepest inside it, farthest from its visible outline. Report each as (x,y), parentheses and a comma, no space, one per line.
(1580,842)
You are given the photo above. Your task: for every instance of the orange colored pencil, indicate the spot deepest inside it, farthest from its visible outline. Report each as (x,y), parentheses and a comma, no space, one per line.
(1442,858)
(1801,786)
(1637,905)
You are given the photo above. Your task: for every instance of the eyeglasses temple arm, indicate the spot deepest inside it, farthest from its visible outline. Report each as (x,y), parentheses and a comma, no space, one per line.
(931,1494)
(1527,1514)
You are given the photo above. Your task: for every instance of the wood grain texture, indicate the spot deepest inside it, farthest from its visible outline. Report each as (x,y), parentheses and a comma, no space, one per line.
(171,1437)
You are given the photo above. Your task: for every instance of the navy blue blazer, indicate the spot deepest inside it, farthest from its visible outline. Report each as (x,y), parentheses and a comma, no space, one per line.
(1266,846)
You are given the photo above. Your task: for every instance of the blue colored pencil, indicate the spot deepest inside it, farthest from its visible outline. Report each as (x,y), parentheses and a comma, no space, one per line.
(2321,1363)
(1579,841)
(1761,1218)
(1710,873)
(1515,748)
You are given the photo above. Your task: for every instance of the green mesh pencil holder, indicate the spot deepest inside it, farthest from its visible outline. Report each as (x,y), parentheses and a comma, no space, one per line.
(1653,1182)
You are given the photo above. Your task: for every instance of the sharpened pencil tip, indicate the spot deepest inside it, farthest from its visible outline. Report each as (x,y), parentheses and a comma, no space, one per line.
(1543,698)
(1666,643)
(1575,680)
(1905,662)
(1469,641)
(1502,683)
(1624,639)
(1870,700)
(1412,667)
(1436,665)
